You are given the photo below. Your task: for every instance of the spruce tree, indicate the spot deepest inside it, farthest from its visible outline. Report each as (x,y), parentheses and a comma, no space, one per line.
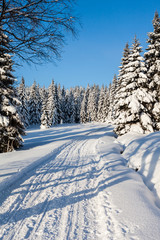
(106,105)
(56,111)
(59,104)
(112,92)
(77,99)
(152,59)
(33,105)
(92,106)
(135,98)
(11,127)
(63,105)
(44,111)
(23,108)
(51,103)
(70,107)
(84,104)
(100,112)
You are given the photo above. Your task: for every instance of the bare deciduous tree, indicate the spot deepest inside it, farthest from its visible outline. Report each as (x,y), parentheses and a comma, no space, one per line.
(37,28)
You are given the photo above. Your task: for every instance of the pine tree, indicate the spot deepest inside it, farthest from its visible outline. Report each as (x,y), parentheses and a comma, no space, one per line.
(11,127)
(121,79)
(92,106)
(33,105)
(63,105)
(152,59)
(44,112)
(100,112)
(84,104)
(135,98)
(59,104)
(56,112)
(23,108)
(70,107)
(77,99)
(51,103)
(112,92)
(106,105)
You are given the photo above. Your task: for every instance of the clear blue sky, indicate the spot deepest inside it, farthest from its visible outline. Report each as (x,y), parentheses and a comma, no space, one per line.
(96,55)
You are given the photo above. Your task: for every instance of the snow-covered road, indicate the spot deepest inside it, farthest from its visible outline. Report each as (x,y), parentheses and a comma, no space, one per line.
(83,191)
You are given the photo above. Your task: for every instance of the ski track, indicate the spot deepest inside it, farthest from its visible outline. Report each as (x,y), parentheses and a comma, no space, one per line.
(63,199)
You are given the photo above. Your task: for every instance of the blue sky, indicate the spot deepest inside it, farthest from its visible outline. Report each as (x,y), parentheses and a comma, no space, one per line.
(96,55)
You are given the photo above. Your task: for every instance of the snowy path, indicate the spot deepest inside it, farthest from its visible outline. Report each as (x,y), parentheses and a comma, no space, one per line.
(83,192)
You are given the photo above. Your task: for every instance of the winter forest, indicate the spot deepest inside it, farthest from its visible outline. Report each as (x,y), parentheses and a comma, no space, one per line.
(131,102)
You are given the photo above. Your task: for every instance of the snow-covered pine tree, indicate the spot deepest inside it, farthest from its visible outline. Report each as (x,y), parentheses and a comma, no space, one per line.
(51,102)
(135,98)
(106,105)
(121,79)
(101,103)
(23,108)
(39,102)
(11,127)
(84,104)
(44,112)
(33,105)
(63,105)
(70,107)
(112,92)
(59,104)
(152,59)
(92,106)
(56,112)
(77,99)
(44,119)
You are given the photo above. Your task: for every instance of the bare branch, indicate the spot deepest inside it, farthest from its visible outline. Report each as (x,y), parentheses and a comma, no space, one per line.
(37,28)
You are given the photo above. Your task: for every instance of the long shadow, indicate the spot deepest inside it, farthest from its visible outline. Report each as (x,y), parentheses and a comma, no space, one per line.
(41,140)
(63,201)
(141,141)
(69,179)
(148,140)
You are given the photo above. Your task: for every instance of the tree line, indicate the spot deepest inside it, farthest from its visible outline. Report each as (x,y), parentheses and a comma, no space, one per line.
(131,102)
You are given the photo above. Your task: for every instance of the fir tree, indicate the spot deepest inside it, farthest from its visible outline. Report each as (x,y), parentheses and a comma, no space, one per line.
(135,99)
(11,127)
(59,104)
(63,105)
(23,108)
(77,100)
(101,103)
(152,59)
(56,111)
(33,105)
(112,92)
(70,108)
(51,103)
(105,105)
(84,104)
(92,106)
(44,111)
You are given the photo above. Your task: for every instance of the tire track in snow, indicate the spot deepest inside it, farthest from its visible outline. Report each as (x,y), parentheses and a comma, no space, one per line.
(17,199)
(63,199)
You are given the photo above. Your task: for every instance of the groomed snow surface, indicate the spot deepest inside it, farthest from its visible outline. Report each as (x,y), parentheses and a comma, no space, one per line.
(71,182)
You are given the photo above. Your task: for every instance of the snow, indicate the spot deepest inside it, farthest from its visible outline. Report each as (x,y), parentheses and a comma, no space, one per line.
(10,109)
(143,154)
(72,182)
(4,121)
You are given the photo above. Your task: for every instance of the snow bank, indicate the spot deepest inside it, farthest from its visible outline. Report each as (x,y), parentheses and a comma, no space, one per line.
(143,155)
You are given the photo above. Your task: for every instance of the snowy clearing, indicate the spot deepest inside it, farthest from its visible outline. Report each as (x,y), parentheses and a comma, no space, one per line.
(71,182)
